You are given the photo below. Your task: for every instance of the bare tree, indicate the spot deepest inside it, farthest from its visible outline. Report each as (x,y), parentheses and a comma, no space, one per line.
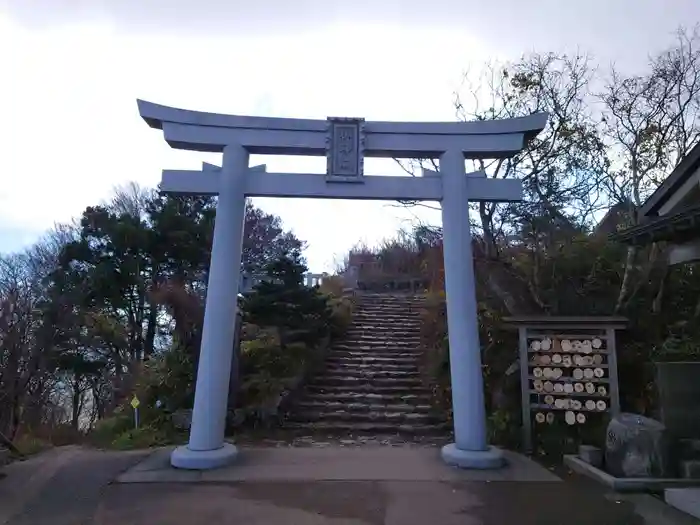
(649,123)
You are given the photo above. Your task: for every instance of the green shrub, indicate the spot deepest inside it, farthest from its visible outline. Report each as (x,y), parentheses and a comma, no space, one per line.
(341,315)
(169,378)
(143,437)
(332,286)
(107,429)
(29,444)
(267,369)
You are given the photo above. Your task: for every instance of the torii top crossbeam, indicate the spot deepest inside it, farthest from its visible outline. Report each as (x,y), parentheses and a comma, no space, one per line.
(345,142)
(201,131)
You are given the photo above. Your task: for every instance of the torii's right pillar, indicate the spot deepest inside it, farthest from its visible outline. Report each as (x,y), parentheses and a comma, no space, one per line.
(470,449)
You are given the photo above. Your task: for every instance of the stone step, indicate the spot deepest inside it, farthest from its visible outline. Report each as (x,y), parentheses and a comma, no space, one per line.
(364,417)
(389,296)
(414,328)
(350,388)
(323,406)
(363,352)
(375,381)
(368,340)
(408,307)
(383,362)
(384,317)
(370,345)
(383,336)
(359,366)
(389,310)
(351,397)
(360,330)
(376,427)
(372,373)
(411,312)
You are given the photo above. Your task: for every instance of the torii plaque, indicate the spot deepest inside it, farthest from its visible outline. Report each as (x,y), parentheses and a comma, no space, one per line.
(345,143)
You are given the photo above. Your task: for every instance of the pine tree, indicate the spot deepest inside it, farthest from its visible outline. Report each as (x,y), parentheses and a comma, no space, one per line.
(281,300)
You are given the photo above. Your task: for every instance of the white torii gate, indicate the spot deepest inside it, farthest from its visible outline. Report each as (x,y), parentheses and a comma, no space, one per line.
(345,142)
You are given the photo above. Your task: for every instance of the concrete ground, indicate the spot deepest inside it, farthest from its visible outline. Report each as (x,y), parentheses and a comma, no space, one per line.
(332,485)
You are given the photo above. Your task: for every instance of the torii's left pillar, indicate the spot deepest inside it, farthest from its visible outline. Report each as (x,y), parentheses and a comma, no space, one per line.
(206,448)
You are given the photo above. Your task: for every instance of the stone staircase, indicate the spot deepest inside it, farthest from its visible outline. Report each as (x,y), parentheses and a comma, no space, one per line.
(371,383)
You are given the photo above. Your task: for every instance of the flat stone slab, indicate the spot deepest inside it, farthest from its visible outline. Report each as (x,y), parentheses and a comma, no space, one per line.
(686,500)
(335,464)
(626,484)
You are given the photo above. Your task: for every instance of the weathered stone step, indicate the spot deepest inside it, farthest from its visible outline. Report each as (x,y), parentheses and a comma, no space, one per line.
(374,381)
(359,365)
(353,388)
(323,406)
(363,352)
(389,296)
(382,363)
(372,373)
(365,417)
(383,315)
(377,427)
(349,397)
(393,307)
(389,327)
(374,343)
(384,336)
(360,330)
(391,310)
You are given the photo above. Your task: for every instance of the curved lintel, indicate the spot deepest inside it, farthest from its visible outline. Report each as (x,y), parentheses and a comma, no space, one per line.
(156,115)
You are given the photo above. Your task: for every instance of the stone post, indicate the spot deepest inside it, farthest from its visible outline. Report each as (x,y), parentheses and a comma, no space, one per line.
(206,448)
(470,449)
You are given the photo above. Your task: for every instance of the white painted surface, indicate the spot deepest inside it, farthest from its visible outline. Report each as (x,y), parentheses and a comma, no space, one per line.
(686,500)
(207,132)
(211,393)
(463,326)
(311,185)
(679,198)
(684,253)
(452,142)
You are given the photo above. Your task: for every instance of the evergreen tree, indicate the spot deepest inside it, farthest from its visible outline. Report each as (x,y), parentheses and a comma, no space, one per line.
(281,300)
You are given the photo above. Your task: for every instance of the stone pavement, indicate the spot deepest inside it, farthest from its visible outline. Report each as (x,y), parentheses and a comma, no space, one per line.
(304,486)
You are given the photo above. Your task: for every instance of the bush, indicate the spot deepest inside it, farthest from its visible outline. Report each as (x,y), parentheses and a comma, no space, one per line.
(341,315)
(29,444)
(143,437)
(168,378)
(107,429)
(332,286)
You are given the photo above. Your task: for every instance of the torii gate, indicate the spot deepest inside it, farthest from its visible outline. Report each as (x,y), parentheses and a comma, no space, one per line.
(345,142)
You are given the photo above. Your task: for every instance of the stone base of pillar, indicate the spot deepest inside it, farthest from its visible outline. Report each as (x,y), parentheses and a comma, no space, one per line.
(184,458)
(492,458)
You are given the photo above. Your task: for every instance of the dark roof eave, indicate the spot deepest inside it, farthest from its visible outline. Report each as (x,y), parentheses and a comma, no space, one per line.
(672,183)
(681,226)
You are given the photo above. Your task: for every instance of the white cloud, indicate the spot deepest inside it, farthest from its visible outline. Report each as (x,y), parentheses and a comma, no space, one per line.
(70,130)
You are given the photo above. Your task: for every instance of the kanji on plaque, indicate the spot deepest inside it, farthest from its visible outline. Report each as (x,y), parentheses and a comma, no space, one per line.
(345,149)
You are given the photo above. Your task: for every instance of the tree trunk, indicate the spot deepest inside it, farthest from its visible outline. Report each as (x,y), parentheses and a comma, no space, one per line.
(627,277)
(75,415)
(151,331)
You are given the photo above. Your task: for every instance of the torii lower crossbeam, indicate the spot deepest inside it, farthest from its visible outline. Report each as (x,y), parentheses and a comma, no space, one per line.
(258,183)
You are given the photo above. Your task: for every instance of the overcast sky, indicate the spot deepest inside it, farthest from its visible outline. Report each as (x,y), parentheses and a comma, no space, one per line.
(73,69)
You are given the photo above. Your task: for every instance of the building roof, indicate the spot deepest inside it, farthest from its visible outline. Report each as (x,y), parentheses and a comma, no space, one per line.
(677,227)
(685,169)
(681,226)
